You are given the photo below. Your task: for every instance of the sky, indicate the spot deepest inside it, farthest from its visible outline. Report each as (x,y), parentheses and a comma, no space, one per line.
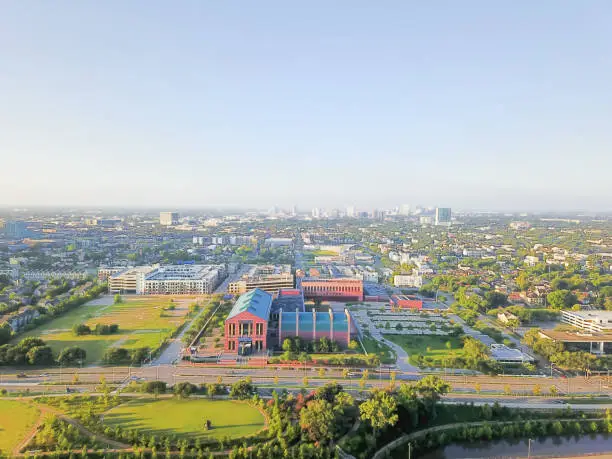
(484,105)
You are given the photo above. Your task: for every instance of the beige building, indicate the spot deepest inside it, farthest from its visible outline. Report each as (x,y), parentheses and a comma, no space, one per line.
(130,280)
(269,278)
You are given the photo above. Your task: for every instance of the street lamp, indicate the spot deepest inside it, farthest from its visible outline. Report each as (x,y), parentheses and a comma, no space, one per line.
(551,369)
(529,448)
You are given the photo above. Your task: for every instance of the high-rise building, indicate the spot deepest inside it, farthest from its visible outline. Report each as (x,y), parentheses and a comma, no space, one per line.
(350,211)
(168,218)
(15,229)
(443,215)
(404,209)
(316,212)
(294,210)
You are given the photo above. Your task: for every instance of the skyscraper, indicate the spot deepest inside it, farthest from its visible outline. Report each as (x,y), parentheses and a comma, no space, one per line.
(404,209)
(350,211)
(443,215)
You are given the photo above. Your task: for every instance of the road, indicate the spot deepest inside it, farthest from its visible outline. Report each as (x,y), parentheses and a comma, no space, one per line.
(464,385)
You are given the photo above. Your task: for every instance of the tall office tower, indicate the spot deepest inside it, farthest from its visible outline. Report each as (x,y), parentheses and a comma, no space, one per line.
(15,229)
(404,209)
(443,215)
(168,218)
(350,211)
(316,212)
(294,210)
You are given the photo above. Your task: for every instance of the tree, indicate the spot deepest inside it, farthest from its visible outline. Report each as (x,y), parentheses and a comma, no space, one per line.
(317,420)
(380,411)
(5,333)
(154,387)
(537,390)
(495,299)
(553,390)
(522,281)
(475,351)
(242,389)
(288,345)
(561,299)
(353,345)
(184,389)
(71,355)
(40,355)
(117,299)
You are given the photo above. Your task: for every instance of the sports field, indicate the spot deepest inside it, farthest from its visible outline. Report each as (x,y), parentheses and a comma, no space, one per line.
(16,420)
(188,417)
(143,322)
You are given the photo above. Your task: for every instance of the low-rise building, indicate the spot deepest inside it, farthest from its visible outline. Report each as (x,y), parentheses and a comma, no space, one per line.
(332,289)
(406,302)
(591,321)
(269,278)
(408,281)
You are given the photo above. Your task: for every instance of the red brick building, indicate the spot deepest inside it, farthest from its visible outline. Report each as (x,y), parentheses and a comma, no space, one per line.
(406,302)
(246,326)
(332,289)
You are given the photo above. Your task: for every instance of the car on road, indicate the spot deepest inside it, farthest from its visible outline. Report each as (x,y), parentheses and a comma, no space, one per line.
(43,375)
(22,375)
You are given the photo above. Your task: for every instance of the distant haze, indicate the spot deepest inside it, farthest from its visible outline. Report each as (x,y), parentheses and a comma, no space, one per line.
(473,104)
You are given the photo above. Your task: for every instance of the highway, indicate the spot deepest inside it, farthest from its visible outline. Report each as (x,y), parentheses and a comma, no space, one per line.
(57,379)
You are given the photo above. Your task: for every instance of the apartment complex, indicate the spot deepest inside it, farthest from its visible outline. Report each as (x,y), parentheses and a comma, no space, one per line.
(168,280)
(129,280)
(184,279)
(269,278)
(168,218)
(591,321)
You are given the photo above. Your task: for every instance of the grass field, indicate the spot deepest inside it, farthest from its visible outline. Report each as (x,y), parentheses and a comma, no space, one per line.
(16,419)
(140,324)
(384,352)
(187,417)
(433,347)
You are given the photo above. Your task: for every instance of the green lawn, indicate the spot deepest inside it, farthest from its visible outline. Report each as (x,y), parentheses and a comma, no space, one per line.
(140,325)
(384,352)
(16,420)
(187,417)
(433,347)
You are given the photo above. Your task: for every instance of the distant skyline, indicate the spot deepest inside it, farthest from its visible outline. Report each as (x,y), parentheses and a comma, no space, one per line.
(470,105)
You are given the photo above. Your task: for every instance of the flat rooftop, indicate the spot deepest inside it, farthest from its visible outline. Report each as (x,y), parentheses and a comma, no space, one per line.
(182,272)
(586,337)
(591,315)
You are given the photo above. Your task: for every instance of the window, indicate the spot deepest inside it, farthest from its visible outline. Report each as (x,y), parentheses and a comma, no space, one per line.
(259,328)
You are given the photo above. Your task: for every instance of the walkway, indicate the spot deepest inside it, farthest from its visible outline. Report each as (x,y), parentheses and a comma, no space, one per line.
(172,352)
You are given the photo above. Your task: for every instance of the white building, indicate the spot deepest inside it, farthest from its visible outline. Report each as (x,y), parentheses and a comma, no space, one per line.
(591,321)
(408,281)
(183,280)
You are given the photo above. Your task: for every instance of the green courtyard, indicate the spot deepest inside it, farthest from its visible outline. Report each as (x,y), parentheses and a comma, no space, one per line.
(188,417)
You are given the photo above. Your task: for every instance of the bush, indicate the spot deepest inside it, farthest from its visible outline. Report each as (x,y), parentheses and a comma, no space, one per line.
(81,329)
(71,355)
(116,355)
(184,389)
(154,387)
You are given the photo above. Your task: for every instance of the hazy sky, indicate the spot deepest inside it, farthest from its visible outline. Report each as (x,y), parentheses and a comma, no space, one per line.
(471,104)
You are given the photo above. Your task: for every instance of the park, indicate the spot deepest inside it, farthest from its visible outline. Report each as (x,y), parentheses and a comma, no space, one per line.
(16,420)
(143,322)
(188,417)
